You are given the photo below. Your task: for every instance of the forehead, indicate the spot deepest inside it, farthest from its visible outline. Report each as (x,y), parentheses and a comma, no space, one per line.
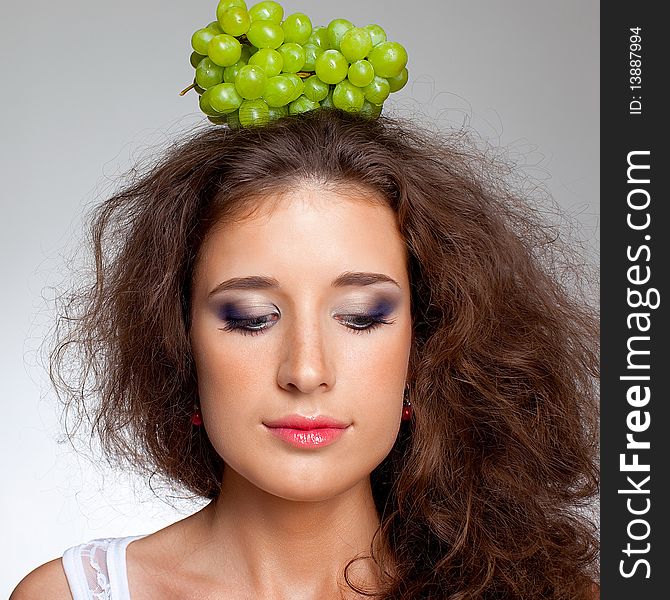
(308,233)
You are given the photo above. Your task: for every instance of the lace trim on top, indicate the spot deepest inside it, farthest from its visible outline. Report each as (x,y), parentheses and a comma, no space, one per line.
(96,570)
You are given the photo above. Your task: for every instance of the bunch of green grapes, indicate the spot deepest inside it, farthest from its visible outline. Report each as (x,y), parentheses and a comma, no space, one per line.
(252,65)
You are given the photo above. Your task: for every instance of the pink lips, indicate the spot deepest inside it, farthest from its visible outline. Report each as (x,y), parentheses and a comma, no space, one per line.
(304,432)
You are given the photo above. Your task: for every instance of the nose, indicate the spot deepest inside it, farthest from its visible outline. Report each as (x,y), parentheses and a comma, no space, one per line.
(305,362)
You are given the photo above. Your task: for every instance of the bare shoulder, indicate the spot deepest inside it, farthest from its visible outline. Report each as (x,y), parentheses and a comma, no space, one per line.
(46,582)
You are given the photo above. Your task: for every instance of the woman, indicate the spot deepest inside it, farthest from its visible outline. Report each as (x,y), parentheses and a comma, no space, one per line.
(360,346)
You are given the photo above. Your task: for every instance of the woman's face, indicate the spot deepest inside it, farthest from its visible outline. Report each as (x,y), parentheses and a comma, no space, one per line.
(287,320)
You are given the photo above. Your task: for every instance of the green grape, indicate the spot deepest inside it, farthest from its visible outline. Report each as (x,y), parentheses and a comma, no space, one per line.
(208,73)
(301,105)
(230,73)
(277,112)
(311,54)
(371,111)
(224,98)
(377,91)
(250,82)
(200,40)
(267,11)
(265,34)
(215,27)
(224,5)
(269,60)
(205,106)
(254,112)
(355,44)
(377,34)
(196,58)
(297,28)
(293,55)
(233,119)
(235,21)
(319,38)
(298,85)
(361,73)
(327,102)
(336,29)
(224,50)
(388,59)
(315,89)
(346,96)
(398,82)
(278,91)
(331,66)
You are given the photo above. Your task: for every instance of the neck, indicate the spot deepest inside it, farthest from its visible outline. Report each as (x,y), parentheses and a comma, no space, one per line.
(294,549)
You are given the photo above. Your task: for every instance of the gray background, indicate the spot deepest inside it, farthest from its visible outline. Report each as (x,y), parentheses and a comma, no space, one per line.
(89,86)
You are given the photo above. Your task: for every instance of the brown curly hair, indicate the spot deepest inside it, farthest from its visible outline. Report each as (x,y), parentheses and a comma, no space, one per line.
(487,490)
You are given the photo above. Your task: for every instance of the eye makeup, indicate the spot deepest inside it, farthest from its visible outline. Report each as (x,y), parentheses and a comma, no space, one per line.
(368,320)
(252,322)
(236,312)
(247,321)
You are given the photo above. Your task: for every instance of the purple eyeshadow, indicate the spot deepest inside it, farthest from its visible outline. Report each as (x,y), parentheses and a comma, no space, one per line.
(228,310)
(382,309)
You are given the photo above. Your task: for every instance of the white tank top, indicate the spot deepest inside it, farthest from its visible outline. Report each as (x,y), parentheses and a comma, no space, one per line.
(96,570)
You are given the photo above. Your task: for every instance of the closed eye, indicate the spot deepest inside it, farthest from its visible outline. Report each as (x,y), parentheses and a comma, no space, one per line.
(365,323)
(256,325)
(250,325)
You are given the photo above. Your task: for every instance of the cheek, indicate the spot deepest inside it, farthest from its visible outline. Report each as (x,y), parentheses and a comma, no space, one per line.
(379,388)
(377,413)
(229,381)
(230,393)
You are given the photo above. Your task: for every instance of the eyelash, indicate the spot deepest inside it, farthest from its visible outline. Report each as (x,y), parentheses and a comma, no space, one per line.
(242,324)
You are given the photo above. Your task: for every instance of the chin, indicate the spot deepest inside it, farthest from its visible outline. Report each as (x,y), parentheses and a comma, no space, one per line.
(311,488)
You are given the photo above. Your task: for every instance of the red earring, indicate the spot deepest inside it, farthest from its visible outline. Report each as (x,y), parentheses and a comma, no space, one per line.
(406,406)
(196,417)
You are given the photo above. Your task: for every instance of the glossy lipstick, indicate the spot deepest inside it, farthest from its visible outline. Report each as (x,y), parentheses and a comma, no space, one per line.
(306,432)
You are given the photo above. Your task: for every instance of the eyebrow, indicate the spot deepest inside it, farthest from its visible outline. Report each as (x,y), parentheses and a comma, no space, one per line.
(258,282)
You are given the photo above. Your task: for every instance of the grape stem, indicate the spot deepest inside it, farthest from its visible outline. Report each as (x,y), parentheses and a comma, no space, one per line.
(189,88)
(304,74)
